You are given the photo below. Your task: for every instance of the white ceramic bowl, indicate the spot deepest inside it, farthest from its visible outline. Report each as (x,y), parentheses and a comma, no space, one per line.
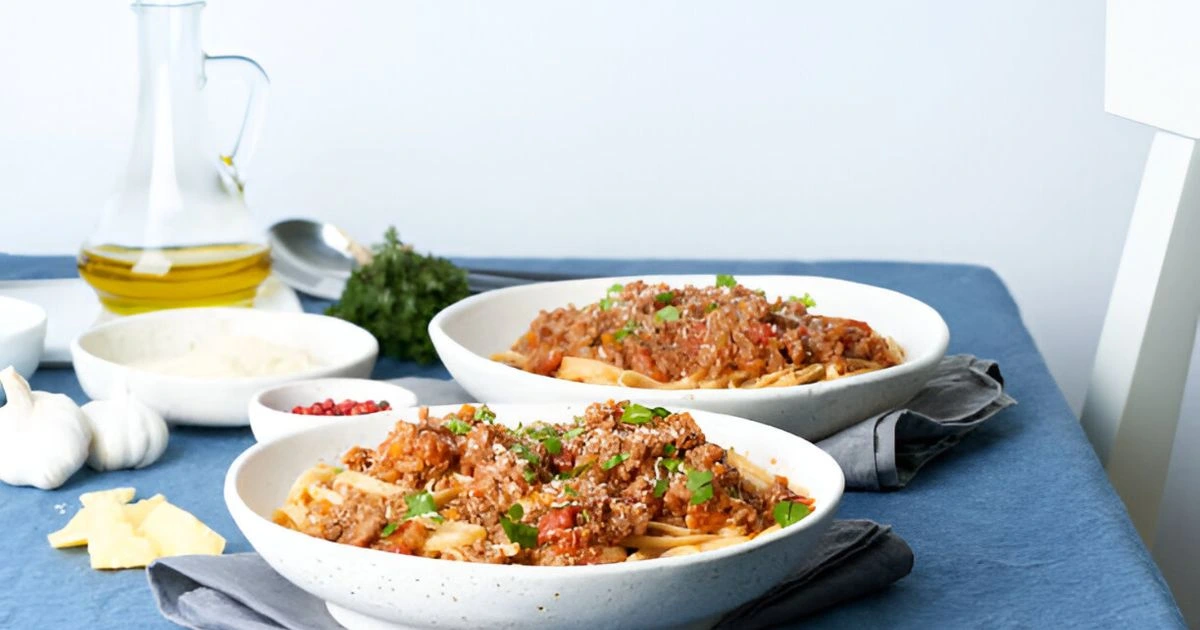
(103,358)
(270,411)
(365,588)
(466,334)
(22,335)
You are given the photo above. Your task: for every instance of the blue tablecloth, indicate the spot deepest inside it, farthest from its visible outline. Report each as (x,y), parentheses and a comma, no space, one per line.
(1015,527)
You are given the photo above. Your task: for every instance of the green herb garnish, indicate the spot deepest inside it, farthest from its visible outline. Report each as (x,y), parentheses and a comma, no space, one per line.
(574,472)
(616,288)
(789,512)
(660,488)
(337,470)
(574,433)
(629,328)
(569,491)
(421,504)
(699,483)
(388,530)
(806,299)
(529,475)
(712,306)
(672,464)
(524,453)
(636,414)
(606,303)
(667,314)
(396,295)
(726,280)
(485,414)
(669,449)
(553,445)
(614,461)
(665,297)
(457,427)
(518,532)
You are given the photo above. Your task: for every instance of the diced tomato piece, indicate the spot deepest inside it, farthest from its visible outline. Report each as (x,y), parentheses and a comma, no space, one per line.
(556,522)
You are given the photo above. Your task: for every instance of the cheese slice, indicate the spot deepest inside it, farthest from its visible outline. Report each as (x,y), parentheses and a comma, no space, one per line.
(114,545)
(116,495)
(175,532)
(137,512)
(75,532)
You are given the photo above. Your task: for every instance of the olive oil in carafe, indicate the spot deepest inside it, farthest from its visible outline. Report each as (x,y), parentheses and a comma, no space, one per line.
(134,280)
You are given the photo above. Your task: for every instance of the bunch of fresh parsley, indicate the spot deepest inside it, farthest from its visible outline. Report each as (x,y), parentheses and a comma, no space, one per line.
(396,295)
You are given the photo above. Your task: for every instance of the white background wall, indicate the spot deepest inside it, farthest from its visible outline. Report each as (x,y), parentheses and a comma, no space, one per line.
(937,130)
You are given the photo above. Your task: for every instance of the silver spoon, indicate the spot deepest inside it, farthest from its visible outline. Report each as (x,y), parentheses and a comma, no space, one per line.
(317,258)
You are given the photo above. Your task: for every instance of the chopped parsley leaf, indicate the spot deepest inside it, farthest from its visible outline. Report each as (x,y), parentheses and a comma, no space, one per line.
(629,328)
(606,303)
(699,483)
(616,288)
(665,297)
(585,517)
(669,449)
(574,472)
(529,475)
(660,412)
(574,433)
(726,280)
(518,532)
(388,530)
(806,299)
(614,461)
(660,488)
(485,414)
(524,453)
(672,464)
(712,306)
(458,427)
(421,504)
(553,445)
(789,512)
(337,470)
(569,491)
(667,314)
(636,414)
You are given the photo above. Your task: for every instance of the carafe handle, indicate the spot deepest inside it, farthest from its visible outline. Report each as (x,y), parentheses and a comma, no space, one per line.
(256,108)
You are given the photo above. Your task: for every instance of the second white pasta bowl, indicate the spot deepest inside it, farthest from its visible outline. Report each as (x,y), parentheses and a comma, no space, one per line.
(367,588)
(468,333)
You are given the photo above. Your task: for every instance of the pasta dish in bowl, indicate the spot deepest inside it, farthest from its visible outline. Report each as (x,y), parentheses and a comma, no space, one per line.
(807,354)
(534,515)
(724,335)
(621,482)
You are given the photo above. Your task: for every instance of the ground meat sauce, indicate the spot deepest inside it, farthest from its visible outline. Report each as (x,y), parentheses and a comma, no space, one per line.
(705,333)
(545,494)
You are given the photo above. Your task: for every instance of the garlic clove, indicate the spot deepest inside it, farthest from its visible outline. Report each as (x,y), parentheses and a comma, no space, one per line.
(44,437)
(125,433)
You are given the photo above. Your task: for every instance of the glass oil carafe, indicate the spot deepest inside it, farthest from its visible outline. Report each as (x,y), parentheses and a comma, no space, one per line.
(177,232)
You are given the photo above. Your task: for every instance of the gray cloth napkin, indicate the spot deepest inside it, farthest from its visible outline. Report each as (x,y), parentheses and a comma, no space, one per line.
(885,452)
(880,453)
(241,592)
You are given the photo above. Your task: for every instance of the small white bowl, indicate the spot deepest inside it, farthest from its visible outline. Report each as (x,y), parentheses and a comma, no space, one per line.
(271,414)
(367,588)
(103,358)
(22,335)
(467,333)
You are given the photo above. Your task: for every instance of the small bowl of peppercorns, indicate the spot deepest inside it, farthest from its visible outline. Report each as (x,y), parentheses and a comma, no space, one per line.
(286,409)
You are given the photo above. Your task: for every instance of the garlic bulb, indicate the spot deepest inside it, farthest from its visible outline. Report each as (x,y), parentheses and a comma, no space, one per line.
(43,437)
(125,433)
